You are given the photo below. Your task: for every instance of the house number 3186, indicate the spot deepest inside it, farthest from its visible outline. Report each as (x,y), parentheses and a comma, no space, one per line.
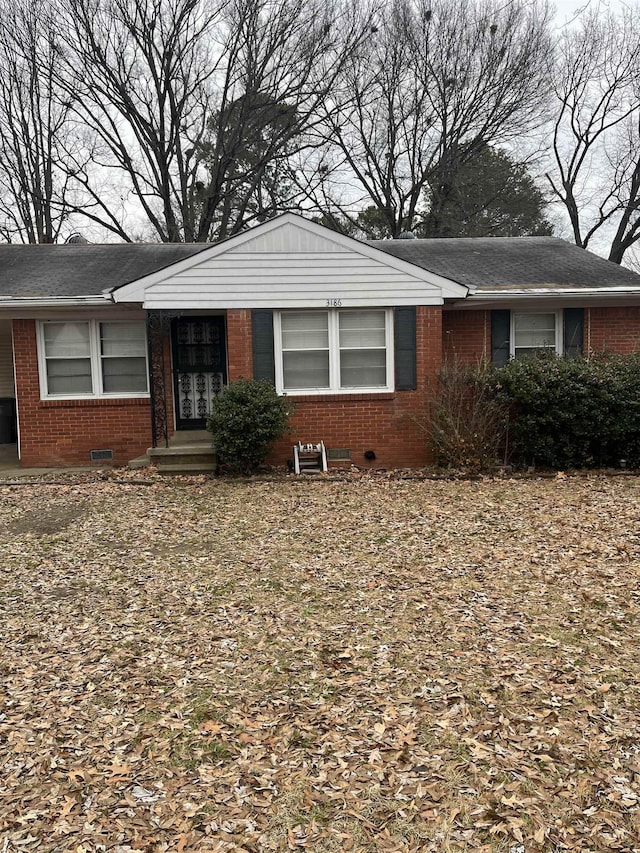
(334,303)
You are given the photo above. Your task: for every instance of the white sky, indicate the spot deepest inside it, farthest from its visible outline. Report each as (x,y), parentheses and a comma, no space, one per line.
(566,10)
(566,13)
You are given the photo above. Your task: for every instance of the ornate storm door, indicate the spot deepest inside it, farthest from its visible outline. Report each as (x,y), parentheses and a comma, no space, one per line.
(199,368)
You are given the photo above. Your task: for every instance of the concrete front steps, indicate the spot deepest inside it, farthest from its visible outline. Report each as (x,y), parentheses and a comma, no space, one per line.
(189,452)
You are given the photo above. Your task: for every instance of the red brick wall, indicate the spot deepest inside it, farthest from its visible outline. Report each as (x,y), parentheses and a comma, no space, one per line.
(615,329)
(466,336)
(56,432)
(239,344)
(378,422)
(360,422)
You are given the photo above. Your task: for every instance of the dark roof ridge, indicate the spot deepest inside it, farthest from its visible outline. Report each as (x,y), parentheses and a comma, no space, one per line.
(530,237)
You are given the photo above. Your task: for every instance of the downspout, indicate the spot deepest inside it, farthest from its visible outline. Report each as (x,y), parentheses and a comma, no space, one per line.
(15,389)
(484,337)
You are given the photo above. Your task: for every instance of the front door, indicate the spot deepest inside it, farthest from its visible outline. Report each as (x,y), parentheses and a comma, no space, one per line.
(199,368)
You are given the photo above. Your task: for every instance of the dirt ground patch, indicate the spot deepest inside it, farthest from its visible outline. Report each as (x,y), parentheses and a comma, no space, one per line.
(364,664)
(46,521)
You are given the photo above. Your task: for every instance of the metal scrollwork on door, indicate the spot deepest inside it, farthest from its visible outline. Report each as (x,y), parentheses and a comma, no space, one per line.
(184,383)
(200,362)
(202,404)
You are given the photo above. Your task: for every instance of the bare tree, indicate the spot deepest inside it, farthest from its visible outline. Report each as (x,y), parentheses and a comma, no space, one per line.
(596,131)
(199,103)
(285,59)
(138,71)
(437,83)
(36,194)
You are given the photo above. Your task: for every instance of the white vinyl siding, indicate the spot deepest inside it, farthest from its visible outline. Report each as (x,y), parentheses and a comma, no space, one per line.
(289,264)
(334,351)
(92,359)
(534,332)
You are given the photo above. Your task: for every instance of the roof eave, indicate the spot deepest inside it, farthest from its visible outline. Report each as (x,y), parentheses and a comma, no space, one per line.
(584,296)
(523,292)
(52,302)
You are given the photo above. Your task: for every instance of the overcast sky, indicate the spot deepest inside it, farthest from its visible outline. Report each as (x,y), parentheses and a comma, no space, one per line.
(567,9)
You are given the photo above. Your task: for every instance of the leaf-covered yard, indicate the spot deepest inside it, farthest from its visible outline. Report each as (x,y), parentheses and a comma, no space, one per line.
(364,664)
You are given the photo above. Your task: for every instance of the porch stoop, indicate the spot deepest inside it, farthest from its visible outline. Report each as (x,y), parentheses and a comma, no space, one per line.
(189,452)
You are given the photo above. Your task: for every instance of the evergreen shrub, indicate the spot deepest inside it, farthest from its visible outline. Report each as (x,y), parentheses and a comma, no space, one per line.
(573,412)
(245,420)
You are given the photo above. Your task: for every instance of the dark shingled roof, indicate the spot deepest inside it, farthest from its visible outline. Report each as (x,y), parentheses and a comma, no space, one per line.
(83,269)
(495,263)
(489,263)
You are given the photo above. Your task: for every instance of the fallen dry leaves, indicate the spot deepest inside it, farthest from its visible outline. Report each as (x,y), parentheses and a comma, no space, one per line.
(363,664)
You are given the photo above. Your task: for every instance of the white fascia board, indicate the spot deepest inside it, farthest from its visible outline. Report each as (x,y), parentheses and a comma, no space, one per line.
(52,302)
(579,296)
(68,309)
(135,291)
(280,305)
(523,293)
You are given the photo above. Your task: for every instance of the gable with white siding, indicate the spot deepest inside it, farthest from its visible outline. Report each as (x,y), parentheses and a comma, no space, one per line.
(289,263)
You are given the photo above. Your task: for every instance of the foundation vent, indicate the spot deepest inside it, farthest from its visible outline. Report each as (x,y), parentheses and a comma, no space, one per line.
(339,454)
(101,455)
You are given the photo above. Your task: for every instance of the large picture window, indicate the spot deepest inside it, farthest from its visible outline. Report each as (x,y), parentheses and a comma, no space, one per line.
(333,351)
(92,359)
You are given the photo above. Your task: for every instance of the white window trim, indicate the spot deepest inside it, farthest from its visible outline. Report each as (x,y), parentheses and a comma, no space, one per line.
(559,346)
(96,364)
(334,354)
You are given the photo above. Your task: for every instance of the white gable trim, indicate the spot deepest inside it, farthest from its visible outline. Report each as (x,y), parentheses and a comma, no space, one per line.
(231,275)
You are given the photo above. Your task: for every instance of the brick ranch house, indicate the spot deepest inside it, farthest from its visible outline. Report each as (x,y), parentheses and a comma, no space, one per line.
(106,350)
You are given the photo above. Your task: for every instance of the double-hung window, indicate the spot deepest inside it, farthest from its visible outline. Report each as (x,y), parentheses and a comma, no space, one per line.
(335,351)
(92,359)
(532,333)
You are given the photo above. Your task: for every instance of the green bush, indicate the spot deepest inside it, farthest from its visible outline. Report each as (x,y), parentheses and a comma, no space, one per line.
(245,420)
(573,412)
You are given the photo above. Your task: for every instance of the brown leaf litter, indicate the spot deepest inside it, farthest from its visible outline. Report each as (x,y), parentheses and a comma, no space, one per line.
(361,664)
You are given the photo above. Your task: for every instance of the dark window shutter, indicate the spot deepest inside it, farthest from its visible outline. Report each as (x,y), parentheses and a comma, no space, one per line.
(264,366)
(405,348)
(500,335)
(573,331)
